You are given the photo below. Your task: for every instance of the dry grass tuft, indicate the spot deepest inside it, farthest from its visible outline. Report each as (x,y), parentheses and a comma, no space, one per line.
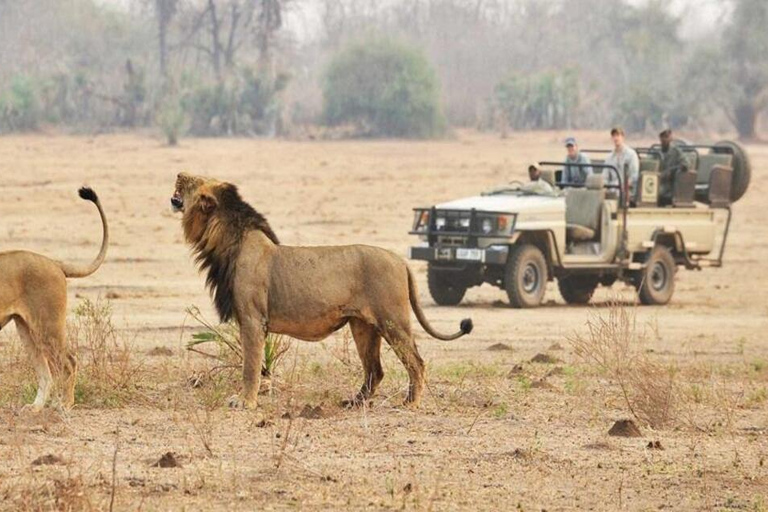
(615,346)
(108,372)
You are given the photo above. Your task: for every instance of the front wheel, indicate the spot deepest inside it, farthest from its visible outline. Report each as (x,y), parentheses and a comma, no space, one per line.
(657,280)
(525,279)
(445,286)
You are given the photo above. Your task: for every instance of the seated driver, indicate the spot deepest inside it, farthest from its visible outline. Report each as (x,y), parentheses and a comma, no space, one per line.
(537,185)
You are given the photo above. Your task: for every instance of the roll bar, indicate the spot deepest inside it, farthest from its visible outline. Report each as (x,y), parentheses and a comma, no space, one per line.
(613,168)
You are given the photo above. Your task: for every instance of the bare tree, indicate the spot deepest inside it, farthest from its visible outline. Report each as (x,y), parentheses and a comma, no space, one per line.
(746,52)
(164,12)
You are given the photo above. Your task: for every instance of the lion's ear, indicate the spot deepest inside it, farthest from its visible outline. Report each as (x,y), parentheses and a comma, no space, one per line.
(207,202)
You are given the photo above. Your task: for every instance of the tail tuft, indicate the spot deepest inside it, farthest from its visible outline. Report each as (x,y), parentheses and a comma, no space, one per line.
(88,194)
(466,326)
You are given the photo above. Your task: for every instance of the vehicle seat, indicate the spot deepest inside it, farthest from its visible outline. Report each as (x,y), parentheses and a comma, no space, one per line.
(713,177)
(583,208)
(684,189)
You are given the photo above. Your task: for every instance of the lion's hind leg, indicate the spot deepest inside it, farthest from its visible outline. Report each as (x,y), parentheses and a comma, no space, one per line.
(40,362)
(400,338)
(368,343)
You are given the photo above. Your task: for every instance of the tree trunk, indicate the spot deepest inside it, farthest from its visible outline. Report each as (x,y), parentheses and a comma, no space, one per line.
(745,119)
(215,41)
(164,11)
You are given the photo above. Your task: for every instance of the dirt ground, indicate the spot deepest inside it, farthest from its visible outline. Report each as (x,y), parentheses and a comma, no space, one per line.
(490,435)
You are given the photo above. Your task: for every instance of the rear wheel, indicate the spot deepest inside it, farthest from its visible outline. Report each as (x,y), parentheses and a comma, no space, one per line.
(525,279)
(657,280)
(742,168)
(445,286)
(577,290)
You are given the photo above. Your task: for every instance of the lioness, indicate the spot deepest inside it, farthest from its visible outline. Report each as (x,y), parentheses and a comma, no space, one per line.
(33,292)
(303,292)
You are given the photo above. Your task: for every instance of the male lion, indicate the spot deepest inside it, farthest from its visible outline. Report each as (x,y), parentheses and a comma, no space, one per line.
(303,292)
(33,293)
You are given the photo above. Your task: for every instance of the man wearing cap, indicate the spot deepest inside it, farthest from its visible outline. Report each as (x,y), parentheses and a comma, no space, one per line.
(672,161)
(537,185)
(622,157)
(575,174)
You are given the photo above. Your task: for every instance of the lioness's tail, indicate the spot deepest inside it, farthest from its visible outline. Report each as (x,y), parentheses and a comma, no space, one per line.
(82,271)
(465,327)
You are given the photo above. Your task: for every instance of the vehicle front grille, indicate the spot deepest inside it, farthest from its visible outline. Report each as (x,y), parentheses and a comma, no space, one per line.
(452,241)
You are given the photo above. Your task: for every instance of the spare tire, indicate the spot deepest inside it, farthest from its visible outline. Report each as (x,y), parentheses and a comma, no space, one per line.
(742,167)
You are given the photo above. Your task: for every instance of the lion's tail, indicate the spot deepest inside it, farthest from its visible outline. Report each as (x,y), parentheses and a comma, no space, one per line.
(465,327)
(82,271)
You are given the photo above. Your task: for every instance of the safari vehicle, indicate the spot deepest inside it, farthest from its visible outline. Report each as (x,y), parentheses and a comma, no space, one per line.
(584,236)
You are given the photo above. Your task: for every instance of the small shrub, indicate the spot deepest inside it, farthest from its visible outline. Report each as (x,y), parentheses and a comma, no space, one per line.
(19,105)
(385,89)
(648,388)
(108,375)
(226,339)
(171,118)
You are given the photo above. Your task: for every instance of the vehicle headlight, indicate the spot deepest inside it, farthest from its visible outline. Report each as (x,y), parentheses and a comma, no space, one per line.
(440,222)
(487,226)
(422,220)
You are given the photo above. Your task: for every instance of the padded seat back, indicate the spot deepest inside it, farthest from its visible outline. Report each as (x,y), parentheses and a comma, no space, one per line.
(684,189)
(583,207)
(707,162)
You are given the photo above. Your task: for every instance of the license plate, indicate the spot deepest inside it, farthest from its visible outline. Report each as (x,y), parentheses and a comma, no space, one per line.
(469,254)
(443,254)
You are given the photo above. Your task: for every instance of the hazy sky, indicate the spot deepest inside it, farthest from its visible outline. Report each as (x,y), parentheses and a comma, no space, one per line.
(697,16)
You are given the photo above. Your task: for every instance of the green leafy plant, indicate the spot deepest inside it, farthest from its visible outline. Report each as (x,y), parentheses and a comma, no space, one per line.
(226,339)
(384,88)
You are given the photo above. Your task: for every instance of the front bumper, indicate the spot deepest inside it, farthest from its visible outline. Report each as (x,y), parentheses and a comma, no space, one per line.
(494,255)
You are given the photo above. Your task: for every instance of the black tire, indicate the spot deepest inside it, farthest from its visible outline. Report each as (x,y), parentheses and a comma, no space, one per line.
(656,282)
(525,278)
(577,290)
(742,168)
(445,286)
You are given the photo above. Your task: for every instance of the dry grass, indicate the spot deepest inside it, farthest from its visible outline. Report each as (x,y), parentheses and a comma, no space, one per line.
(657,393)
(109,373)
(495,431)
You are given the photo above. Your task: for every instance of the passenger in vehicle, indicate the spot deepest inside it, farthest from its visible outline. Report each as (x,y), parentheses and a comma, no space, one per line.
(672,161)
(575,174)
(537,185)
(621,156)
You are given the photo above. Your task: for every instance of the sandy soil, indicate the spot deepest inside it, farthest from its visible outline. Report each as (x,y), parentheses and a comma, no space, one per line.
(482,440)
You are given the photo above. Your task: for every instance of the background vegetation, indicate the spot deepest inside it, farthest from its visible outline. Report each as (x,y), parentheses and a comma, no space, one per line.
(384,67)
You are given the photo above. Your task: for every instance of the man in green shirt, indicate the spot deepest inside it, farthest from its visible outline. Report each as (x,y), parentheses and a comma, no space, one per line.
(672,161)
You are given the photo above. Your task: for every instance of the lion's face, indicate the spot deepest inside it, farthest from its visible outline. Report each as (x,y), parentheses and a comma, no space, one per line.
(191,190)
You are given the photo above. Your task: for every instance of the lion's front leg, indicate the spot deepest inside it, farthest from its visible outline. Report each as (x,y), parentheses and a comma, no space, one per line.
(252,337)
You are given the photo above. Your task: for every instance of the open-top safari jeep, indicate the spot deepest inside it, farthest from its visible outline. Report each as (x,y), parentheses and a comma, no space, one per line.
(585,236)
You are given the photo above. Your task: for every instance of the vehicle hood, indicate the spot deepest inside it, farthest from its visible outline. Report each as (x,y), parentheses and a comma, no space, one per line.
(506,203)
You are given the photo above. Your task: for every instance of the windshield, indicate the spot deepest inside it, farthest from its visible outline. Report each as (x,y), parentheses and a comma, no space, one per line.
(517,188)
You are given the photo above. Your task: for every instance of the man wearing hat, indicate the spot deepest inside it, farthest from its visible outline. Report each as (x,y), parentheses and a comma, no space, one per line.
(672,161)
(537,185)
(575,174)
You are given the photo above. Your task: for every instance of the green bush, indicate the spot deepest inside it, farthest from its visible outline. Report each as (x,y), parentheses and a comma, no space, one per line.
(244,104)
(384,88)
(212,109)
(171,118)
(19,105)
(540,101)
